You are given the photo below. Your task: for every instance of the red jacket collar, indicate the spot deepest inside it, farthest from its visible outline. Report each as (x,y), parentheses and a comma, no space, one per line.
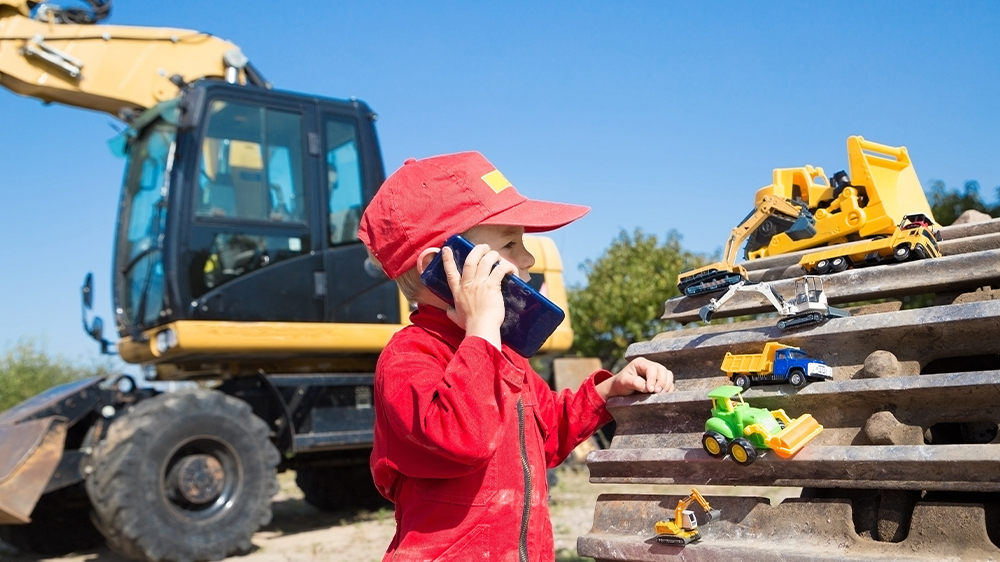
(436,321)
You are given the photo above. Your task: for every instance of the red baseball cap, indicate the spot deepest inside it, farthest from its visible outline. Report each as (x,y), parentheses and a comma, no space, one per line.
(425,201)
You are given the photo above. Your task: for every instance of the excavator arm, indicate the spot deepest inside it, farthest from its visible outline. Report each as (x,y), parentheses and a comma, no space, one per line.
(119,70)
(720,275)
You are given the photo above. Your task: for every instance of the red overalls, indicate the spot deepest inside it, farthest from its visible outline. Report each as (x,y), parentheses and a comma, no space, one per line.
(464,433)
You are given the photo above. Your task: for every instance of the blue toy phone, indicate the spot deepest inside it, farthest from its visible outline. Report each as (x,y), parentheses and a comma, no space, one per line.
(529,317)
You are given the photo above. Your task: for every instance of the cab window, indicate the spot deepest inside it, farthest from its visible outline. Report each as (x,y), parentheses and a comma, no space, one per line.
(343,177)
(251,165)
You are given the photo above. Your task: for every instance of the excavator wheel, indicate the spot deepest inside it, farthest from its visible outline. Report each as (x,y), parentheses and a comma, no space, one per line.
(715,444)
(184,476)
(742,451)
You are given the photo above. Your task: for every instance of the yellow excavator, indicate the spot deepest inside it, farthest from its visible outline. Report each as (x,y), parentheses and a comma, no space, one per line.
(236,265)
(720,275)
(684,527)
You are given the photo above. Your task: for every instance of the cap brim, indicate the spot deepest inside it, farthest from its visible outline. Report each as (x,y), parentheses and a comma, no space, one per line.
(538,216)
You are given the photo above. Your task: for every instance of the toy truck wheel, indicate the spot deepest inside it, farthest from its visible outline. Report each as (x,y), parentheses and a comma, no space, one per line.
(715,444)
(742,451)
(901,253)
(839,264)
(797,378)
(921,252)
(742,381)
(184,476)
(822,266)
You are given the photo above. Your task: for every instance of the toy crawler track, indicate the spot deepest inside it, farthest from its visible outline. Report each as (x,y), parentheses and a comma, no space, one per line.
(908,465)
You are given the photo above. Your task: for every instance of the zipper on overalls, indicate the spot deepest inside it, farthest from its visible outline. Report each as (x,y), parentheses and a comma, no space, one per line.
(526,514)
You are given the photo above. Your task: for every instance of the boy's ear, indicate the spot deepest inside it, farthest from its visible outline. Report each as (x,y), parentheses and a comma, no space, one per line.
(425,258)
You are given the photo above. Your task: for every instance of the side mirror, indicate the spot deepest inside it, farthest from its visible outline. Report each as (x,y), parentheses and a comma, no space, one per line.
(88,291)
(97,329)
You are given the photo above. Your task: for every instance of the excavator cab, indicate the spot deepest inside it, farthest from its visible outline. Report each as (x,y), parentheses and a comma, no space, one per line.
(240,209)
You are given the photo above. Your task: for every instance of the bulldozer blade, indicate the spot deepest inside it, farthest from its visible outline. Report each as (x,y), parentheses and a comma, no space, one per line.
(801,431)
(29,454)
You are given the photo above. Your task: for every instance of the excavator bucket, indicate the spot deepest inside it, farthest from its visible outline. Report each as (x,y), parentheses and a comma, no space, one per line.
(29,454)
(795,436)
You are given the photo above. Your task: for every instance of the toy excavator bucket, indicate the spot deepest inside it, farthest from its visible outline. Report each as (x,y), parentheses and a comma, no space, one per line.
(795,436)
(29,454)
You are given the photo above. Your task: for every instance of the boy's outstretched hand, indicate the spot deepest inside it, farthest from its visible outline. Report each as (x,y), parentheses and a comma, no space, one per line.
(640,375)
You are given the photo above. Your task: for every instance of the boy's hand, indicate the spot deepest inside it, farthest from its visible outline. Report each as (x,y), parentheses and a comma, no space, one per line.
(478,302)
(641,375)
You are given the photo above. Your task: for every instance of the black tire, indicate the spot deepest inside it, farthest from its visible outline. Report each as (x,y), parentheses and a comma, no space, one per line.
(797,378)
(742,451)
(337,488)
(921,252)
(60,524)
(211,443)
(715,444)
(822,267)
(839,264)
(901,253)
(742,381)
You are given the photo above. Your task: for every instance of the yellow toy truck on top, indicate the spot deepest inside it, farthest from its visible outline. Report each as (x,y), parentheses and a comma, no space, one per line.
(912,239)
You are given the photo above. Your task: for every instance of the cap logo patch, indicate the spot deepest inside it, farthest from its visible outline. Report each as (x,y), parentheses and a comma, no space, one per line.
(496,181)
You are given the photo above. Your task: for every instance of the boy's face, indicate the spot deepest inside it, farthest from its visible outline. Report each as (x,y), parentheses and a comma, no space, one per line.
(508,242)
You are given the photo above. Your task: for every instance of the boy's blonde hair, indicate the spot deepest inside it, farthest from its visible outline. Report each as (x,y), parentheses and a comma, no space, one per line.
(408,282)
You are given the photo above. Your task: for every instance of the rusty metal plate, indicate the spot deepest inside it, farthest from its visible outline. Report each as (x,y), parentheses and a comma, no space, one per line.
(915,336)
(961,272)
(752,530)
(29,453)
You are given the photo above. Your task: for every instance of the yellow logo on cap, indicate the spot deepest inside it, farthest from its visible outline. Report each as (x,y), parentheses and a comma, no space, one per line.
(496,181)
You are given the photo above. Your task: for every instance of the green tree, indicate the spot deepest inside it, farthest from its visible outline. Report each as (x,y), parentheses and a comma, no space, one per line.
(26,370)
(625,289)
(948,204)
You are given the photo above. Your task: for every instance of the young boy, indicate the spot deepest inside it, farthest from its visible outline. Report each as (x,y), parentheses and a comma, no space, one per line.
(465,429)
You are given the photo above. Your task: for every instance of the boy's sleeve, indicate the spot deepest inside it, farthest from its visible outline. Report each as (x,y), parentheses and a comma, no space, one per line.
(571,417)
(447,420)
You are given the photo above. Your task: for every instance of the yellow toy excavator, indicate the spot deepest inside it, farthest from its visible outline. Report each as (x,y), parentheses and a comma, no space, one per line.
(684,528)
(718,276)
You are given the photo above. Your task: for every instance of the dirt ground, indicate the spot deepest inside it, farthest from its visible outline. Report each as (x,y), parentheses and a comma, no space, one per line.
(299,532)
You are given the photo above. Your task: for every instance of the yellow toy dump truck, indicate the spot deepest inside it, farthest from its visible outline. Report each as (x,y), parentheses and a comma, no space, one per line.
(738,429)
(912,239)
(777,363)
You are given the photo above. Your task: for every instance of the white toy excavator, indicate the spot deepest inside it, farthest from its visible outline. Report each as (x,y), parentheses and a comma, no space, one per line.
(809,306)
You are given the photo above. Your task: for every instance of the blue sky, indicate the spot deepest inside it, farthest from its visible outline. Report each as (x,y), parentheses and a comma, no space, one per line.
(659,115)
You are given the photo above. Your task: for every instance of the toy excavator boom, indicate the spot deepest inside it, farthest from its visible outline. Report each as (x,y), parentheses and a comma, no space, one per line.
(684,527)
(718,276)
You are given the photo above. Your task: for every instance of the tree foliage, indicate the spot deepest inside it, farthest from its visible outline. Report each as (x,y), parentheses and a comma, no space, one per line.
(26,370)
(948,204)
(623,298)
